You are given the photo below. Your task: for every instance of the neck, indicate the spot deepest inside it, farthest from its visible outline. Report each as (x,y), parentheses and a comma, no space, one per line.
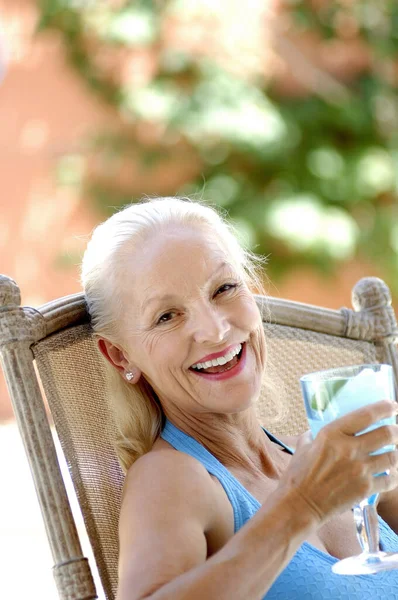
(236,440)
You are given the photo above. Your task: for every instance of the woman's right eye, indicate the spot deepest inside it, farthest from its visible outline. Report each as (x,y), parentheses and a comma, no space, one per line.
(165,317)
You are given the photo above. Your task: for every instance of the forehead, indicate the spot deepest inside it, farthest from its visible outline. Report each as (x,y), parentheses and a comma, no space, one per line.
(173,261)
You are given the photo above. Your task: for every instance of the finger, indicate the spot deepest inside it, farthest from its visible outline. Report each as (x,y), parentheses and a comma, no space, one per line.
(385,435)
(362,418)
(382,462)
(385,483)
(304,439)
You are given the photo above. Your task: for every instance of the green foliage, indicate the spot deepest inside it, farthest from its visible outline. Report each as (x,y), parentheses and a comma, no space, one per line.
(309,180)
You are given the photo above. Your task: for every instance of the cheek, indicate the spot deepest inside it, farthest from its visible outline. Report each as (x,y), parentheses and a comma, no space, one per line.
(250,314)
(154,348)
(255,325)
(160,355)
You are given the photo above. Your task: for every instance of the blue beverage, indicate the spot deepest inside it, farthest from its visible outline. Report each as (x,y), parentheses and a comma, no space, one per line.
(328,396)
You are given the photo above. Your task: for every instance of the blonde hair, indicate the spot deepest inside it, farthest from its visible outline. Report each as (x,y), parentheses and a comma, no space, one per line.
(137,412)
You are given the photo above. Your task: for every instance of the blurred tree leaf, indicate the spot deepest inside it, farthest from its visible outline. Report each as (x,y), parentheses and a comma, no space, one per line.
(310,180)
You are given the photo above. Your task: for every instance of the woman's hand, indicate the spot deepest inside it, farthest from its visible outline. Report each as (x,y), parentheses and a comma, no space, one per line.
(335,470)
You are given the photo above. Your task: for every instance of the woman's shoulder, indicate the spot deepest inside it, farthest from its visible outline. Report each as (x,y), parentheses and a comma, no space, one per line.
(166,471)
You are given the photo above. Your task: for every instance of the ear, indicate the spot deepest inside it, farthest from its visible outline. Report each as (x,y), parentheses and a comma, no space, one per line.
(118,359)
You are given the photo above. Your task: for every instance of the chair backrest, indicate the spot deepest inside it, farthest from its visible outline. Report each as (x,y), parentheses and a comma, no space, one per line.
(301,339)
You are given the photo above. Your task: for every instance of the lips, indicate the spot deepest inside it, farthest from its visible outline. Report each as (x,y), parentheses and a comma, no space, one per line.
(229,372)
(215,355)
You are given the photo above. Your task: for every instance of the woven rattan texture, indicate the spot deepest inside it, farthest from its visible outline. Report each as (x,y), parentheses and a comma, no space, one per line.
(72,377)
(74,579)
(293,352)
(70,370)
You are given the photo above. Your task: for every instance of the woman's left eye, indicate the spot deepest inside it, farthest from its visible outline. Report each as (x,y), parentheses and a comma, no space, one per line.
(226,288)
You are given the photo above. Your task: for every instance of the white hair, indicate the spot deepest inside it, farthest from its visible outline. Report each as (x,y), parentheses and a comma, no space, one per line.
(137,411)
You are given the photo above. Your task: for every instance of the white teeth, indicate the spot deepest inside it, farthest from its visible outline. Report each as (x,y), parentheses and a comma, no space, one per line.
(222,360)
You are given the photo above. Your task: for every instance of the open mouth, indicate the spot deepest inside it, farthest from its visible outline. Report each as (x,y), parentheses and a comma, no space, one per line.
(216,369)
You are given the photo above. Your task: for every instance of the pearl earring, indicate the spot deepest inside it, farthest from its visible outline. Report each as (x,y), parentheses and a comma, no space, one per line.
(129,375)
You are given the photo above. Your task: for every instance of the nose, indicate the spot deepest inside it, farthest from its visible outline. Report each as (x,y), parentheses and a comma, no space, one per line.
(210,325)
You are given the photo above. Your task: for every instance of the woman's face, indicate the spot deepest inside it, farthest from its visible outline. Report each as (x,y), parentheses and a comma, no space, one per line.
(184,306)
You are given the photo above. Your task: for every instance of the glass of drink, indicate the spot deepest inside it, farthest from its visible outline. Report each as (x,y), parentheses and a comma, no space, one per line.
(329,395)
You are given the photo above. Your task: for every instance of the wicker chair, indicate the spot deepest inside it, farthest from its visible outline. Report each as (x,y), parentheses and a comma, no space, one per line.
(51,349)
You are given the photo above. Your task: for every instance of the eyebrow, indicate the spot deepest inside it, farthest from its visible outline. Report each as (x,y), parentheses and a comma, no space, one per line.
(170,297)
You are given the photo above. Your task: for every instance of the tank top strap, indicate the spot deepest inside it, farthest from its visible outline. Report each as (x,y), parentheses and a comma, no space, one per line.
(241,500)
(273,438)
(186,443)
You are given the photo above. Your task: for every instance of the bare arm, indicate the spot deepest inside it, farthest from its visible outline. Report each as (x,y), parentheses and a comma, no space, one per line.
(250,562)
(166,511)
(166,514)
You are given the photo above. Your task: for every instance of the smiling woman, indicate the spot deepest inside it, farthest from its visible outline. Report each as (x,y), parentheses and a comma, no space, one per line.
(214,506)
(132,268)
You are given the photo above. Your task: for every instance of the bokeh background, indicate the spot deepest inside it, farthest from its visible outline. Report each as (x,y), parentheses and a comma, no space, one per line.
(282,112)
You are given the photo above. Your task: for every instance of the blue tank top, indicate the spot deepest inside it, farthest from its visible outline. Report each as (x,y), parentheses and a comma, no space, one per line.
(308,575)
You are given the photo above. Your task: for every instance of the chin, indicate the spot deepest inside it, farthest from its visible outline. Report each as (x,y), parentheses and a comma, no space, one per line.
(240,404)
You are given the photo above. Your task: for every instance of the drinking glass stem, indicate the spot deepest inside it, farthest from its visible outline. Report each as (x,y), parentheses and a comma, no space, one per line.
(365,516)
